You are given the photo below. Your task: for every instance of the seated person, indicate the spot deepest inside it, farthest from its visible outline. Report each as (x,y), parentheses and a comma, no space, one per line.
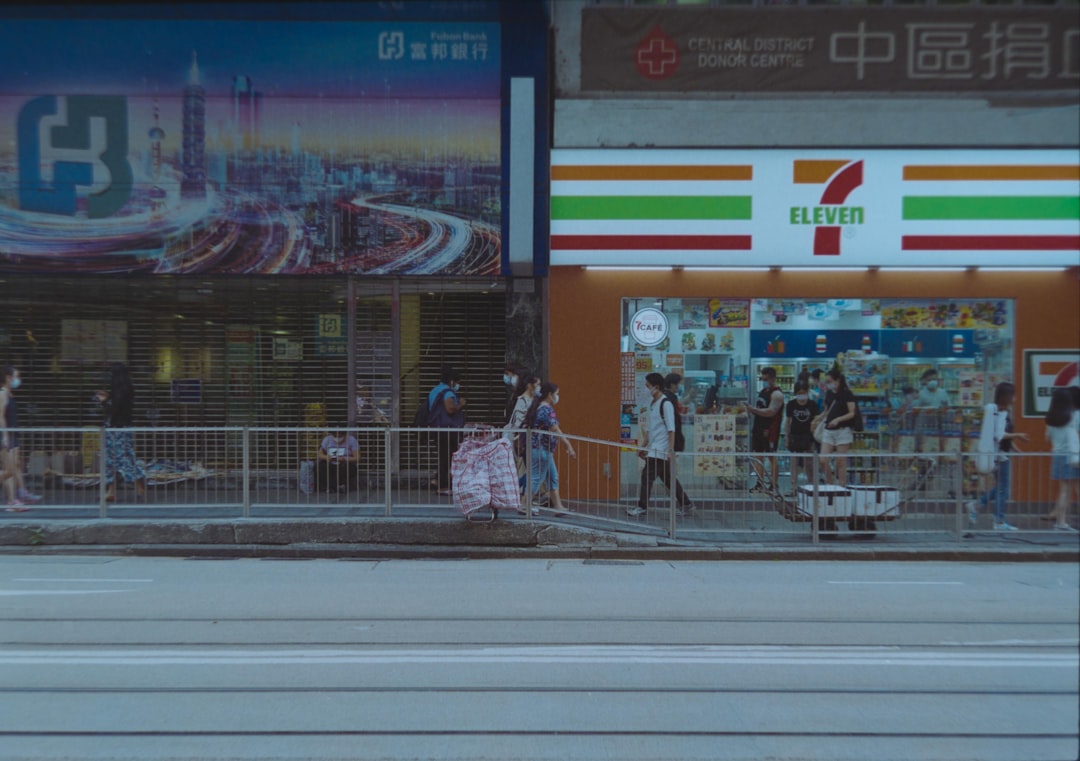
(339,455)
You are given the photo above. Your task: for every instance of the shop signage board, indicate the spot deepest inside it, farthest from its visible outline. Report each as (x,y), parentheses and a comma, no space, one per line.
(815,208)
(854,49)
(254,145)
(1045,370)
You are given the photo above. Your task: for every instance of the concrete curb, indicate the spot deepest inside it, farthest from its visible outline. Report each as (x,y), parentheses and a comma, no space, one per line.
(453,538)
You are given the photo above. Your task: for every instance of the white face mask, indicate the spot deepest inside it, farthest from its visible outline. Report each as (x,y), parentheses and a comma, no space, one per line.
(16,382)
(800,397)
(932,385)
(555,398)
(455,387)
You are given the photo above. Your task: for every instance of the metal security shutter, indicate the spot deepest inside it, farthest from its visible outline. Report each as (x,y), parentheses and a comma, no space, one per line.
(245,350)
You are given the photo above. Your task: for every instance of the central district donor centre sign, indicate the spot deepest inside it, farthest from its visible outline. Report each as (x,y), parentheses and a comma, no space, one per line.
(815,208)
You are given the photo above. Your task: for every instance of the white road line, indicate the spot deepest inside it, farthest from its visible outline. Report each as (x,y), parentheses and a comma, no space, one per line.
(91,581)
(924,583)
(37,592)
(576,655)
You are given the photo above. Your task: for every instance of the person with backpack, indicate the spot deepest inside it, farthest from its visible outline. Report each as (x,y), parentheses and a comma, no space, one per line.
(445,412)
(658,448)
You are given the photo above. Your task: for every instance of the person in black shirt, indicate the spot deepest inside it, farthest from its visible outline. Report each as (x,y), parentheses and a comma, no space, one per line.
(797,432)
(839,412)
(765,435)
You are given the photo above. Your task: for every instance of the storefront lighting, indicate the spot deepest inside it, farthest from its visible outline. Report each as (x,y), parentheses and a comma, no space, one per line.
(924,269)
(826,269)
(727,269)
(1022,269)
(617,268)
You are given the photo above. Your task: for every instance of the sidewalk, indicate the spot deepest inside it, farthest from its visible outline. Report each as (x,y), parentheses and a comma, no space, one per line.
(445,534)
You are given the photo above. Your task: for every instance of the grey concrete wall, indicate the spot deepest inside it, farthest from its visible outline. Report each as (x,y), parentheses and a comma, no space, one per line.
(592,120)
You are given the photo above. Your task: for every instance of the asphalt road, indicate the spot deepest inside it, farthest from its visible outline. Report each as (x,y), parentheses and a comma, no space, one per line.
(150,658)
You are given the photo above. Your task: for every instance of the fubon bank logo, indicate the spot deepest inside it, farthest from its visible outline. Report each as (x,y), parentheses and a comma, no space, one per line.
(831,215)
(84,132)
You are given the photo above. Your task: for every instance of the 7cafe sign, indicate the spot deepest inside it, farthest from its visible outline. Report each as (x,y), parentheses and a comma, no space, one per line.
(815,208)
(649,326)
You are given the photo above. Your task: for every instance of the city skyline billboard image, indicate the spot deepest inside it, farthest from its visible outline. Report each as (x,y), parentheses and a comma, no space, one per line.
(250,147)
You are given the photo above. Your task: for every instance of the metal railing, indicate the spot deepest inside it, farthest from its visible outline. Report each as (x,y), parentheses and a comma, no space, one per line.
(276,472)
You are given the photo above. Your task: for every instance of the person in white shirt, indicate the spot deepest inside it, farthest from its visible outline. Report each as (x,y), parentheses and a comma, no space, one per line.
(659,448)
(1063,432)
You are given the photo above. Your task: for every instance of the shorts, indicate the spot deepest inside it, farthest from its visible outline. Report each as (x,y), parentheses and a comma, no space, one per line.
(838,437)
(1062,470)
(761,442)
(801,444)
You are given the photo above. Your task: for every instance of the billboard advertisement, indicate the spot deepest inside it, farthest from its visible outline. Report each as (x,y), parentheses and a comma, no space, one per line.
(815,208)
(268,147)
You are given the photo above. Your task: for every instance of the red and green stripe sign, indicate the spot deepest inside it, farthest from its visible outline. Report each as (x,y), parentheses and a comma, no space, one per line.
(671,207)
(1004,200)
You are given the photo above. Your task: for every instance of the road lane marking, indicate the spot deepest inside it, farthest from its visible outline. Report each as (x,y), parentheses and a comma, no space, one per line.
(927,583)
(90,581)
(582,655)
(36,592)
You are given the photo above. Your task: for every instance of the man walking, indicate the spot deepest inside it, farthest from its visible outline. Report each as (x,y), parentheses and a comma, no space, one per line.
(659,445)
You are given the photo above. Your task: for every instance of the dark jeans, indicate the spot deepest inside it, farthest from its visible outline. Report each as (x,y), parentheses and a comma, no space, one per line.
(657,468)
(330,475)
(446,441)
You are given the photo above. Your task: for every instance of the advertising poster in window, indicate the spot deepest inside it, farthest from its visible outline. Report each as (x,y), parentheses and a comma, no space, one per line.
(1045,370)
(249,147)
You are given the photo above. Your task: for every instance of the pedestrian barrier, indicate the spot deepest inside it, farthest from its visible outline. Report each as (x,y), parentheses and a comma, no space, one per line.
(278,472)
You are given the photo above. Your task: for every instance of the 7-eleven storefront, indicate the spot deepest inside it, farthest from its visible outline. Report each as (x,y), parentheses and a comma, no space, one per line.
(963,260)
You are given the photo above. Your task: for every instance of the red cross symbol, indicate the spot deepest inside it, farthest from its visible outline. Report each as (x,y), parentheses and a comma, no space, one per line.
(657,57)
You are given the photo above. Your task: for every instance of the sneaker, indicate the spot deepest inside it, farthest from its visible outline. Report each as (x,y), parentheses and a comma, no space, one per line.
(764,487)
(1003,526)
(17,506)
(1065,527)
(523,511)
(689,511)
(973,512)
(635,512)
(27,496)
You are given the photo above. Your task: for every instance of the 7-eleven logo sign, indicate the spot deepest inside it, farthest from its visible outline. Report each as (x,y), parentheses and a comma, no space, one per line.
(840,177)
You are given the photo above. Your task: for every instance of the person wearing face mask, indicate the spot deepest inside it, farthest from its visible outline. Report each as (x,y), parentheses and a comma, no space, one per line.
(544,438)
(1004,442)
(527,385)
(446,412)
(658,448)
(797,432)
(10,457)
(839,413)
(511,373)
(932,395)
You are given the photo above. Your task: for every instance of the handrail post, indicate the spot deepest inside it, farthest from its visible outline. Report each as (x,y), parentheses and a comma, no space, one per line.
(673,472)
(387,475)
(814,466)
(959,488)
(245,446)
(103,474)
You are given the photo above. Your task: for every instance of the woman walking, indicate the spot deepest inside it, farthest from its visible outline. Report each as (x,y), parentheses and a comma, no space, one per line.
(544,440)
(10,458)
(1004,436)
(119,405)
(1063,432)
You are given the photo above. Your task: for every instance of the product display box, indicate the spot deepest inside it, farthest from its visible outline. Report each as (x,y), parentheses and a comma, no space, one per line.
(833,501)
(875,501)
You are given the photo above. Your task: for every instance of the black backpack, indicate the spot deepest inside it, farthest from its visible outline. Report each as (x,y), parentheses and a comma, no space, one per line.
(422,416)
(857,423)
(680,441)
